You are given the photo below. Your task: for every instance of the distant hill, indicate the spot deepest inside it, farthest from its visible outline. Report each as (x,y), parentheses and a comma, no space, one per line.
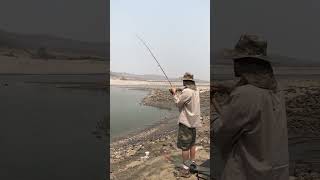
(279,59)
(145,77)
(57,44)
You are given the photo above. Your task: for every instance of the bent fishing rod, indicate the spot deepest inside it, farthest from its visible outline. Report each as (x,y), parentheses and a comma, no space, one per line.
(154,57)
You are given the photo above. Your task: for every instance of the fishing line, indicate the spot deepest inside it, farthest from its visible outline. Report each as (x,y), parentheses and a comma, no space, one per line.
(154,57)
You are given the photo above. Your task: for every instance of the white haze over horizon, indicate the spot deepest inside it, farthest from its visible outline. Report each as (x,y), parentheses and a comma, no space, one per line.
(178,32)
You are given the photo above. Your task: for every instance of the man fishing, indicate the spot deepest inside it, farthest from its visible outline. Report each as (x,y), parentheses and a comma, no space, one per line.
(188,102)
(251,128)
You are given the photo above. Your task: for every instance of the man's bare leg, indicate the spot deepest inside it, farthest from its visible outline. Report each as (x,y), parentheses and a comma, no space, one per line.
(193,153)
(185,155)
(184,171)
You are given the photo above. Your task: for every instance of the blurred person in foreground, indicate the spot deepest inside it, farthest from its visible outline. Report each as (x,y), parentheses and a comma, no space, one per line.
(188,102)
(250,129)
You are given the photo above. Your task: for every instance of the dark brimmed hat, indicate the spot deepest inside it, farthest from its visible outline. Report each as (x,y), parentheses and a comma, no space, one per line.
(187,77)
(251,46)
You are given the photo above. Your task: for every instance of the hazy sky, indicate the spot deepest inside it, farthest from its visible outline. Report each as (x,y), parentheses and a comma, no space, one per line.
(77,19)
(178,32)
(290,26)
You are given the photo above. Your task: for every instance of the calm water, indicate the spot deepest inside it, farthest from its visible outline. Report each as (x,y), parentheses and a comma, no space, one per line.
(46,132)
(127,114)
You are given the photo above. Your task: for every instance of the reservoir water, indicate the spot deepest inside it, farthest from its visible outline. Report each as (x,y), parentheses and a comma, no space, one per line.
(46,132)
(127,114)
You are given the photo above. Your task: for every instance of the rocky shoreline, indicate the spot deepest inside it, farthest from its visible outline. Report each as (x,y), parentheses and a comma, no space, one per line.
(159,139)
(303,115)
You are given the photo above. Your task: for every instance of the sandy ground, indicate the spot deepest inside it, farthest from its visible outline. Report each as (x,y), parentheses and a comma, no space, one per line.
(26,65)
(151,84)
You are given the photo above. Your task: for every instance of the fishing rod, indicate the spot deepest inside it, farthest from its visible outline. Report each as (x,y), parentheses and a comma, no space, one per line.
(154,57)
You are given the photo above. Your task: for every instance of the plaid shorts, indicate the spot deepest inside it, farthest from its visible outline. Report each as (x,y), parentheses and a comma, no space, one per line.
(186,137)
